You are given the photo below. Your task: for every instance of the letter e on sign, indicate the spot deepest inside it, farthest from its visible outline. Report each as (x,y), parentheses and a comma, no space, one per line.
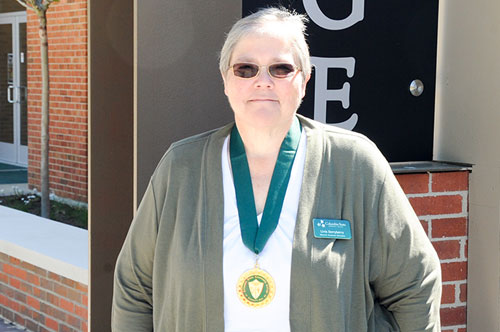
(322,94)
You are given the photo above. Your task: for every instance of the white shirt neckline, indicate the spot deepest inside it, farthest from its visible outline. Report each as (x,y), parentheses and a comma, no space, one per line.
(274,259)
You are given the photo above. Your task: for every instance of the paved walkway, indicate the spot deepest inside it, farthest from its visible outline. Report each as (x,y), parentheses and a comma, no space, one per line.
(4,327)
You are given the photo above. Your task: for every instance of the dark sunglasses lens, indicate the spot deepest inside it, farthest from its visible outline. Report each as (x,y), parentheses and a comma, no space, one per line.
(281,70)
(245,70)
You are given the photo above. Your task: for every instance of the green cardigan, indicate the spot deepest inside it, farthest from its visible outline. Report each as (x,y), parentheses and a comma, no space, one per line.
(386,278)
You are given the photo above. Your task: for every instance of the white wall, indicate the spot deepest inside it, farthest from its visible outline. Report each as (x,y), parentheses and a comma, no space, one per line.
(468,130)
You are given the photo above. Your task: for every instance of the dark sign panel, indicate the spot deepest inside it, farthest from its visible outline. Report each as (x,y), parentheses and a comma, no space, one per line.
(369,57)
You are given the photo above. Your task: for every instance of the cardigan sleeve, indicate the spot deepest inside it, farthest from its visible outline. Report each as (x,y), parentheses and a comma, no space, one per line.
(132,308)
(406,270)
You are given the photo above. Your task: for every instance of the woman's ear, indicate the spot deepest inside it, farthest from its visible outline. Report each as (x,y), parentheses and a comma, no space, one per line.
(224,82)
(304,85)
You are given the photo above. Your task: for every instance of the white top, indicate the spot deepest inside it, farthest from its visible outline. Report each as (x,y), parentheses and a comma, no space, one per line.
(276,258)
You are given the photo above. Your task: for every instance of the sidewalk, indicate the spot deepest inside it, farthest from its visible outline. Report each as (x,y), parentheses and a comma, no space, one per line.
(4,327)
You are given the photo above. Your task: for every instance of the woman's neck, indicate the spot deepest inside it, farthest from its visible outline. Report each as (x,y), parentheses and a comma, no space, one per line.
(262,147)
(262,142)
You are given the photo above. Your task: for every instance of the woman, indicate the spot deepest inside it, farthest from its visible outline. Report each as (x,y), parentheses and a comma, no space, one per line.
(275,222)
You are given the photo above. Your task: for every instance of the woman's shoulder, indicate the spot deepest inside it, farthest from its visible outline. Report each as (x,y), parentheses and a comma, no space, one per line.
(341,141)
(188,152)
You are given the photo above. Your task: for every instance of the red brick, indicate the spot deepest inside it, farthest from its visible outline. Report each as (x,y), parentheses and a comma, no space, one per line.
(51,324)
(32,302)
(436,205)
(66,305)
(46,284)
(38,317)
(447,249)
(14,306)
(25,311)
(35,269)
(454,316)
(31,325)
(449,227)
(4,257)
(3,299)
(450,181)
(14,271)
(14,260)
(52,299)
(60,289)
(414,183)
(26,287)
(54,277)
(19,297)
(84,327)
(463,293)
(4,278)
(82,312)
(53,312)
(15,283)
(448,295)
(33,279)
(37,292)
(74,296)
(65,328)
(73,321)
(68,282)
(455,271)
(85,300)
(7,290)
(19,319)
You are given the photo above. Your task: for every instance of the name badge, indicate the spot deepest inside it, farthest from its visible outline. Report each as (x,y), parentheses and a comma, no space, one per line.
(332,229)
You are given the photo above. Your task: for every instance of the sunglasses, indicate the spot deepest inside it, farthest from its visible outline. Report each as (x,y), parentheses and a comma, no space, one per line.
(276,70)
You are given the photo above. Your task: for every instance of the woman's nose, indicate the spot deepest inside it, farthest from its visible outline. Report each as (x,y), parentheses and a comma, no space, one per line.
(263,79)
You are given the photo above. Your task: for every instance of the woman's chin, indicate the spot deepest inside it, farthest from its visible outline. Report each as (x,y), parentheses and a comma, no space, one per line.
(263,119)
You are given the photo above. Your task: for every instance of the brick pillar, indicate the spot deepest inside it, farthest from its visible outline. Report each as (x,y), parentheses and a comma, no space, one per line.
(441,203)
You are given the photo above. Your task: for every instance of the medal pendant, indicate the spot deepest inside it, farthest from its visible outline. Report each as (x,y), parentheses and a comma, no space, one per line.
(256,288)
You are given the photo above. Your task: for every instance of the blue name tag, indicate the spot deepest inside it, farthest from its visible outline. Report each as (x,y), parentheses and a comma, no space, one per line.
(332,229)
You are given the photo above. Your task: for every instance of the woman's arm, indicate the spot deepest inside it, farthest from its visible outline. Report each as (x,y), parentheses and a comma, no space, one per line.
(132,296)
(405,266)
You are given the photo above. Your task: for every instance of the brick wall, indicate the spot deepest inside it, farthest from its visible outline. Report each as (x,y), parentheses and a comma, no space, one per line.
(441,202)
(67,33)
(41,300)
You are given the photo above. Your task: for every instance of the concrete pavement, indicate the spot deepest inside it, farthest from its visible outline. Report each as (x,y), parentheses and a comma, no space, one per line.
(4,327)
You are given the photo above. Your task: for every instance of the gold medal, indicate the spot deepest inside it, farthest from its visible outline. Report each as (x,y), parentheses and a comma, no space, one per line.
(256,287)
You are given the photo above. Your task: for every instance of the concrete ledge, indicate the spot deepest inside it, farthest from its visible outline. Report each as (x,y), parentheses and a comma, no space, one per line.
(428,166)
(48,244)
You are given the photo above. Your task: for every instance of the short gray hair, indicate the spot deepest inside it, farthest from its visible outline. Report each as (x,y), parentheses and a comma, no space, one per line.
(293,25)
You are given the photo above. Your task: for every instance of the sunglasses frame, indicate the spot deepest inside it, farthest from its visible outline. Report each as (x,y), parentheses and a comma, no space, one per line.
(296,69)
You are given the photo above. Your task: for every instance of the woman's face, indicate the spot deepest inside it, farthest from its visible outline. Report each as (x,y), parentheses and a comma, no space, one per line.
(263,101)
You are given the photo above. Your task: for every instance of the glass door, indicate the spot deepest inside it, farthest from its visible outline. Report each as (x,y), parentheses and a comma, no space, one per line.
(13,89)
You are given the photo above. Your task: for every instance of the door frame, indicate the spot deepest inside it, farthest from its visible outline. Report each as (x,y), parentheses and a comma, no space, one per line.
(15,153)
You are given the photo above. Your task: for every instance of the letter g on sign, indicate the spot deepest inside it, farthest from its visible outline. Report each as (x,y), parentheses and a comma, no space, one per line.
(318,17)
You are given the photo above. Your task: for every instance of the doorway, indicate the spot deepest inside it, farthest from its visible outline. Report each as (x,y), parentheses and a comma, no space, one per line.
(13,89)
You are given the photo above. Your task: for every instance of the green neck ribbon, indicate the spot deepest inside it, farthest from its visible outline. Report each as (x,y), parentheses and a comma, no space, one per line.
(255,237)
